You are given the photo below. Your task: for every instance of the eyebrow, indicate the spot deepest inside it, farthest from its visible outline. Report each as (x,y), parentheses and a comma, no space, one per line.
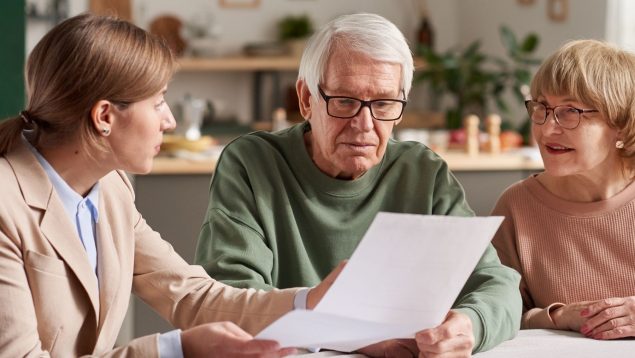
(341,92)
(566,99)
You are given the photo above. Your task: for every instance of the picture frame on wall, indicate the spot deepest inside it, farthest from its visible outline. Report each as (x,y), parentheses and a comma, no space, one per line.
(558,10)
(239,4)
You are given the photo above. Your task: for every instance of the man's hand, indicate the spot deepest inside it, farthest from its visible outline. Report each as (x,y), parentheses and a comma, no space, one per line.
(315,295)
(452,338)
(397,348)
(610,318)
(225,339)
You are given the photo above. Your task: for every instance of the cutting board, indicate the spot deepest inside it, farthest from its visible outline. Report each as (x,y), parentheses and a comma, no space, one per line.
(119,8)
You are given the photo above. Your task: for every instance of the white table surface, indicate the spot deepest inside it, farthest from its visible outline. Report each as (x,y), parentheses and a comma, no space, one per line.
(542,343)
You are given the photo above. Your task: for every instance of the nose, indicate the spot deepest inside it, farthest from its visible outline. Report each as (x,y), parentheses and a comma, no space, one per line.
(551,123)
(168,122)
(363,121)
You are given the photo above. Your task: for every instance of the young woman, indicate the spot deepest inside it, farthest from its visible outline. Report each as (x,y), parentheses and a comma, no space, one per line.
(72,244)
(569,230)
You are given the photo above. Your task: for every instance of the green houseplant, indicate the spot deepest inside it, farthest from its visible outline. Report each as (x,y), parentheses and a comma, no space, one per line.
(473,78)
(294,30)
(294,27)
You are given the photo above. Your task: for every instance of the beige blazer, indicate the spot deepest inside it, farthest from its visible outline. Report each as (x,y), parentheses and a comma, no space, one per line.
(50,304)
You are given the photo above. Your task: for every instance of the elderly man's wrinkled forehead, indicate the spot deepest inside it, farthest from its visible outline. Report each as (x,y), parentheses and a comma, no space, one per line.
(349,47)
(347,54)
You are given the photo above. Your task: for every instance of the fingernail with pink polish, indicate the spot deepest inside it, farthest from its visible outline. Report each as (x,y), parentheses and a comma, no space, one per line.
(584,312)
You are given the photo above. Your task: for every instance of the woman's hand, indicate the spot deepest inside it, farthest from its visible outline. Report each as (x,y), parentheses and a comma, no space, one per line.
(610,318)
(569,317)
(452,338)
(315,295)
(225,339)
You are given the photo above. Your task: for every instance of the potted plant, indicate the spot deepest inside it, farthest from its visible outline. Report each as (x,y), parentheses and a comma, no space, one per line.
(294,30)
(472,78)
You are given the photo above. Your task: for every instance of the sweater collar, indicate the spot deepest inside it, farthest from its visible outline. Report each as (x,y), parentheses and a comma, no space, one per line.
(580,208)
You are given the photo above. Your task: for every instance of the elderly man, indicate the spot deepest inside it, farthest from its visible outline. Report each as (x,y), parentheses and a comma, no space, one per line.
(286,207)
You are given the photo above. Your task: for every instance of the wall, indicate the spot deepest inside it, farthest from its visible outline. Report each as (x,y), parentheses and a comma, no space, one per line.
(454,21)
(37,28)
(229,89)
(481,20)
(12,30)
(230,24)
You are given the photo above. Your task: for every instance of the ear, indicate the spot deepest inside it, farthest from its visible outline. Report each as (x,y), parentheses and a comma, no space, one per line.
(304,97)
(102,116)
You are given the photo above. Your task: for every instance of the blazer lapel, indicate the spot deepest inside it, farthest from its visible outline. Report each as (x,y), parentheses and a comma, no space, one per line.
(63,236)
(55,226)
(108,265)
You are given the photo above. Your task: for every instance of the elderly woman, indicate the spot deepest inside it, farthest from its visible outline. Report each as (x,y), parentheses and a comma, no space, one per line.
(72,244)
(569,230)
(285,207)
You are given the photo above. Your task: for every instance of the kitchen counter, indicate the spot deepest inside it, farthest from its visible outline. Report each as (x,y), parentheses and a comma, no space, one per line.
(526,159)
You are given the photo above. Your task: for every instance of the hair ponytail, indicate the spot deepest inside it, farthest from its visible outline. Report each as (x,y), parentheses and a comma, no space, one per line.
(10,130)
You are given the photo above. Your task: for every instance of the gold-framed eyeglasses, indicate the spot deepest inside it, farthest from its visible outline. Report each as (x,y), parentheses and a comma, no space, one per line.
(383,109)
(567,117)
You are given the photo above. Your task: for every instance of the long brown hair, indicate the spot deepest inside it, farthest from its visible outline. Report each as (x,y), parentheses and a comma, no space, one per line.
(82,60)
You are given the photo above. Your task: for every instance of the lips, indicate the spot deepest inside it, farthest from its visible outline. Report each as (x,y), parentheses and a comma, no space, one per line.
(361,144)
(555,148)
(359,147)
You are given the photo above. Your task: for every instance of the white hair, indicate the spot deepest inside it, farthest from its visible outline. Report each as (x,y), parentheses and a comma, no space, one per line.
(369,34)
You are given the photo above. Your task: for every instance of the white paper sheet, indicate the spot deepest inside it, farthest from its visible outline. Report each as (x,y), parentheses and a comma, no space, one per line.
(403,277)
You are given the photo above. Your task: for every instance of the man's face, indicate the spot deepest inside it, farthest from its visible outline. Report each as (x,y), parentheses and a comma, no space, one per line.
(347,148)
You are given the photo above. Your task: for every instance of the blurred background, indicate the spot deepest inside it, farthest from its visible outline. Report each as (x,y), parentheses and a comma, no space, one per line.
(238,62)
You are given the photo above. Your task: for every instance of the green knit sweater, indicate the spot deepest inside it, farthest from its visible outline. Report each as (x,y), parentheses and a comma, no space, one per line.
(275,220)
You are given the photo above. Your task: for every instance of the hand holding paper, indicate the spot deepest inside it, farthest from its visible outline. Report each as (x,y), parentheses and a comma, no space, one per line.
(403,277)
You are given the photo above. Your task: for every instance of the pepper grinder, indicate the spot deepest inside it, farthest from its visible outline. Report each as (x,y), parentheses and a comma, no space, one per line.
(493,122)
(470,124)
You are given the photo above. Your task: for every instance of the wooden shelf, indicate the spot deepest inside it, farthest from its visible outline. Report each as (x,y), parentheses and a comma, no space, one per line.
(239,63)
(246,63)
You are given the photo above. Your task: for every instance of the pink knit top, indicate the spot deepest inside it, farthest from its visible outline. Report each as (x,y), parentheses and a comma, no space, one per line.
(566,251)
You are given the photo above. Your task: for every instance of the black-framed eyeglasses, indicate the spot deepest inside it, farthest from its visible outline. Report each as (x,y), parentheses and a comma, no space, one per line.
(567,117)
(383,109)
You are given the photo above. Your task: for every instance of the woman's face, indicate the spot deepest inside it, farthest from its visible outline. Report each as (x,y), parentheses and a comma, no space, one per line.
(137,135)
(588,150)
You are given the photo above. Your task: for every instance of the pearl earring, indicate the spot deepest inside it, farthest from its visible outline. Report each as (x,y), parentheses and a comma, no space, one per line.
(619,144)
(105,131)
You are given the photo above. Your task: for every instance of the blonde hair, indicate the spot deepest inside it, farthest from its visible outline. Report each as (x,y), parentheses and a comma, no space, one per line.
(599,75)
(82,60)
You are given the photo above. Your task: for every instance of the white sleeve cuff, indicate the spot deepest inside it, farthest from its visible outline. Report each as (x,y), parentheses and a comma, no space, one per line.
(170,344)
(299,302)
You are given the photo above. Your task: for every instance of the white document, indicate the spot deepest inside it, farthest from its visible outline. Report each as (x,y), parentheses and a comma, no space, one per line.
(402,278)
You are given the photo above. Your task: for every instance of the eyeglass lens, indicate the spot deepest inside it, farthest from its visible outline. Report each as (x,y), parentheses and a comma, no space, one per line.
(380,109)
(566,116)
